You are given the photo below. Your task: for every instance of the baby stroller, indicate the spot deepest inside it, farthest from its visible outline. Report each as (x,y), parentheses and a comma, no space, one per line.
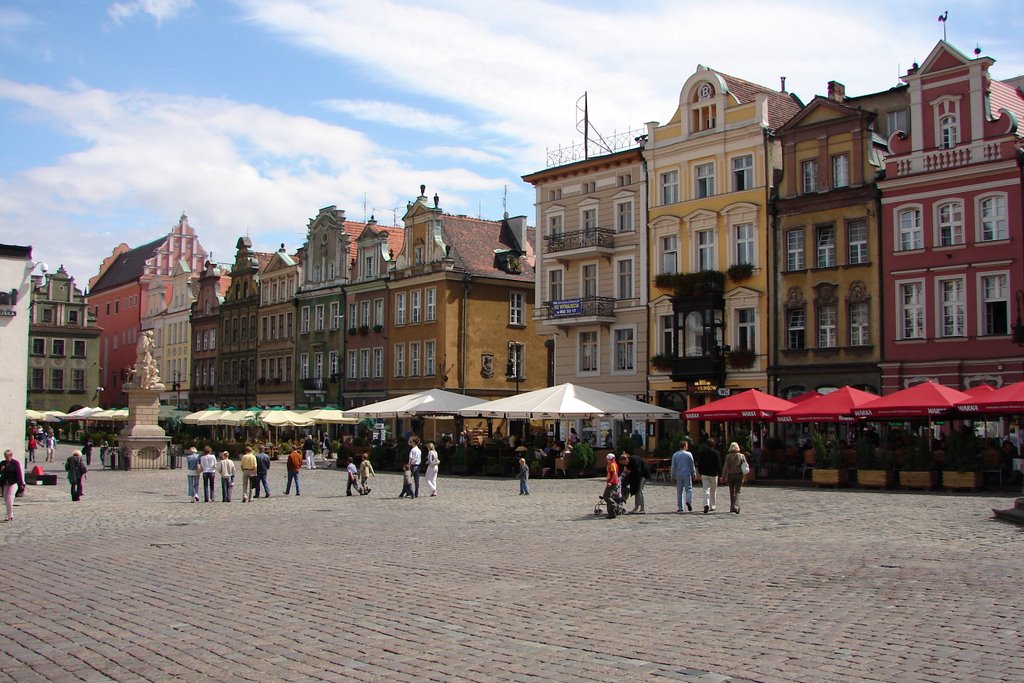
(618,504)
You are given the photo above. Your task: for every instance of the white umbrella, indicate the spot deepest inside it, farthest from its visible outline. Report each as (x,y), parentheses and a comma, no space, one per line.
(214,417)
(330,415)
(194,418)
(33,414)
(568,401)
(85,413)
(113,415)
(286,418)
(424,403)
(53,416)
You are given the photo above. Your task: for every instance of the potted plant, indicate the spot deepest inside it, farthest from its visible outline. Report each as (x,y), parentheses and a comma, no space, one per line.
(962,469)
(582,458)
(917,465)
(378,328)
(739,359)
(828,469)
(874,467)
(738,272)
(352,331)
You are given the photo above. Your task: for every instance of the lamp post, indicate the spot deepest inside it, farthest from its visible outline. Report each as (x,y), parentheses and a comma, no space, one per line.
(177,389)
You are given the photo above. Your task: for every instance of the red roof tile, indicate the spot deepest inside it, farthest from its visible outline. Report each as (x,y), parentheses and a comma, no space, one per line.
(782,106)
(474,242)
(1003,96)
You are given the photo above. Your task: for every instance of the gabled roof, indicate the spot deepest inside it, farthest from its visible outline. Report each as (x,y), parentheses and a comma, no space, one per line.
(818,102)
(128,266)
(474,242)
(782,106)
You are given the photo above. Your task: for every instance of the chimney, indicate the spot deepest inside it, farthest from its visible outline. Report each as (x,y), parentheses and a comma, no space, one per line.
(836,91)
(783,87)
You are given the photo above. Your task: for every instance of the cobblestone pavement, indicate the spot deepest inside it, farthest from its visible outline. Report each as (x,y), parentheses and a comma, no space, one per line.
(135,583)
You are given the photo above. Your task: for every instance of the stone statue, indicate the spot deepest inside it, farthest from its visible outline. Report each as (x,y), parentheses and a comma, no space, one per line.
(145,372)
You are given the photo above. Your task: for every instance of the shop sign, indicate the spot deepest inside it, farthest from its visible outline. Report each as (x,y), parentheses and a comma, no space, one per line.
(566,308)
(703,386)
(8,300)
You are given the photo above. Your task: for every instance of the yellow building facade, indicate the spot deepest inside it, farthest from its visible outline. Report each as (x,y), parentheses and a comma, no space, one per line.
(710,171)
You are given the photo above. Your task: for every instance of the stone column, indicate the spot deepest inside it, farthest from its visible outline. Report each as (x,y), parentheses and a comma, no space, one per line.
(143,441)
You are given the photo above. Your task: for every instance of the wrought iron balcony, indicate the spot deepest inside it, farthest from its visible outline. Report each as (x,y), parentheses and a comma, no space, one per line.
(314,384)
(580,311)
(689,368)
(581,243)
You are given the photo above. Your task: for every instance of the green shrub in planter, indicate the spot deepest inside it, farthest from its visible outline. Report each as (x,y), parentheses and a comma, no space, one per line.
(826,452)
(582,457)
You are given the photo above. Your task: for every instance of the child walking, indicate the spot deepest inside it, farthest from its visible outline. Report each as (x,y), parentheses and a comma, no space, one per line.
(524,478)
(406,482)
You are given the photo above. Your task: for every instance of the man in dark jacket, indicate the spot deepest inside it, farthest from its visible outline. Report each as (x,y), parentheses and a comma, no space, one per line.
(637,473)
(76,469)
(709,467)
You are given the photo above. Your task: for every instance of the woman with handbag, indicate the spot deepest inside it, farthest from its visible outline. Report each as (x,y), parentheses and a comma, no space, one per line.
(733,471)
(11,479)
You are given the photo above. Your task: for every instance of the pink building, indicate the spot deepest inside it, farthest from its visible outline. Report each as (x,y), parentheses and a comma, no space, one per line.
(952,234)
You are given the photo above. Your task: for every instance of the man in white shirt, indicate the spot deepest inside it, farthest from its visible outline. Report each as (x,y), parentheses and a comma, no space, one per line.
(415,456)
(208,467)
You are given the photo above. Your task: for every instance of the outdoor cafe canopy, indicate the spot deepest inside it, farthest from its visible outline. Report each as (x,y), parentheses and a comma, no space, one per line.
(421,404)
(568,401)
(836,406)
(921,400)
(1008,399)
(748,405)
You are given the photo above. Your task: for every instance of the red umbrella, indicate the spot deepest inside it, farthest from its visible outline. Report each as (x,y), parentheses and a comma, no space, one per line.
(920,400)
(748,405)
(980,390)
(806,396)
(1008,399)
(837,406)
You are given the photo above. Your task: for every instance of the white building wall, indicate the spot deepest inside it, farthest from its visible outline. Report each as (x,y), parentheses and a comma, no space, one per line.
(15,270)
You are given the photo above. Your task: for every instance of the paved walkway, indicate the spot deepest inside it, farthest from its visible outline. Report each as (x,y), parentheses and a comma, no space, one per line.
(134,583)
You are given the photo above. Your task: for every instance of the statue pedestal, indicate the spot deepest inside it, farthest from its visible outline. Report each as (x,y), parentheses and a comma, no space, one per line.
(143,441)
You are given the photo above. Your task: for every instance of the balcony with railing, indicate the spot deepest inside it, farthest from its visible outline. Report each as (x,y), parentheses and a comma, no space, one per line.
(314,385)
(579,311)
(942,158)
(579,244)
(690,368)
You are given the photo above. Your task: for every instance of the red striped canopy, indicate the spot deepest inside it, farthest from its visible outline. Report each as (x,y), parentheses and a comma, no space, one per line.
(837,406)
(1008,399)
(748,405)
(920,400)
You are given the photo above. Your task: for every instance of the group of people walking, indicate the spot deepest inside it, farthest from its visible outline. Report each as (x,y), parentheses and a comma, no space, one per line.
(411,470)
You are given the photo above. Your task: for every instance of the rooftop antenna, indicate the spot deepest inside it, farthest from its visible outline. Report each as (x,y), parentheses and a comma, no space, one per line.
(504,202)
(942,18)
(583,126)
(364,207)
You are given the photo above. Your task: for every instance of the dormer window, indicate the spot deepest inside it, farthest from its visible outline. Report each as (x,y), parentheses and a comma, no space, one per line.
(703,114)
(418,254)
(947,123)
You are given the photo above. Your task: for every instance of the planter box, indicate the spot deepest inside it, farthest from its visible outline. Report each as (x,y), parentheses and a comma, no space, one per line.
(919,480)
(882,479)
(961,480)
(824,477)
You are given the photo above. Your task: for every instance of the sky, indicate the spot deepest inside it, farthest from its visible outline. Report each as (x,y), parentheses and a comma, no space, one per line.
(251,115)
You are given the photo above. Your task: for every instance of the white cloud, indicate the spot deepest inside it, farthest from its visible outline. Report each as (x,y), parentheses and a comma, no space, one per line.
(470,154)
(160,10)
(395,115)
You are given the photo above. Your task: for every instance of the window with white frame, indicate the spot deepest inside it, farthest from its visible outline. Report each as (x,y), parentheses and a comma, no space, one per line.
(746,328)
(430,294)
(706,259)
(516,309)
(948,128)
(841,170)
(335,315)
(624,279)
(796,323)
(415,305)
(378,363)
(952,307)
(589,275)
(992,214)
(400,308)
(908,226)
(860,329)
(588,220)
(911,312)
(624,216)
(668,245)
(693,334)
(825,246)
(995,305)
(743,238)
(587,352)
(516,368)
(418,254)
(555,284)
(856,241)
(555,194)
(414,359)
(827,338)
(353,364)
(742,173)
(555,228)
(332,364)
(950,223)
(368,260)
(670,187)
(57,379)
(364,363)
(364,314)
(704,180)
(809,175)
(303,366)
(897,121)
(353,315)
(666,333)
(378,312)
(399,360)
(625,349)
(305,320)
(318,365)
(795,249)
(319,319)
(430,358)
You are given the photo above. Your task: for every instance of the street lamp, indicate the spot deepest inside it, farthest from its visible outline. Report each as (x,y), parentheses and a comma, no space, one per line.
(177,388)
